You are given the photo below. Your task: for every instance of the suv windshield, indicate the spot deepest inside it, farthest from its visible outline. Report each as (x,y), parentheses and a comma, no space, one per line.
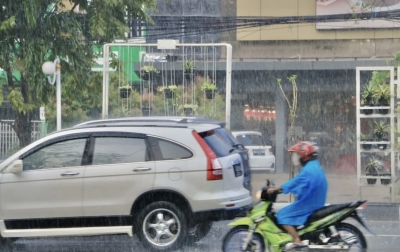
(251,140)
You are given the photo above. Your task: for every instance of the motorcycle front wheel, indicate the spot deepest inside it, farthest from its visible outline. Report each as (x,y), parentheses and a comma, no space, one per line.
(234,239)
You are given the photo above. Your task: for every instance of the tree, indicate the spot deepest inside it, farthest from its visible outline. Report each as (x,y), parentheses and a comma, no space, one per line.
(35,31)
(292,115)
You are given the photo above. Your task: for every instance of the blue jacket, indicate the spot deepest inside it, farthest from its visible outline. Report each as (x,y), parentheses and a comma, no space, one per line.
(311,187)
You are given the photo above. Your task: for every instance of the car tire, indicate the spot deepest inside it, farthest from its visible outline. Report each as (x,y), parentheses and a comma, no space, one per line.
(161,226)
(199,231)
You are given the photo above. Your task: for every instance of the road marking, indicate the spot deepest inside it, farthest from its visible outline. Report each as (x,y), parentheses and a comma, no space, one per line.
(382,235)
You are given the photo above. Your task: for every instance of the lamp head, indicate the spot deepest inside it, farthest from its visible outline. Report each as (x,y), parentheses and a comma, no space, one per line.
(48,68)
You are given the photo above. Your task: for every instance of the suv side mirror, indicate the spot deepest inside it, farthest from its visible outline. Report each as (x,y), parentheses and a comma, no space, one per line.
(15,167)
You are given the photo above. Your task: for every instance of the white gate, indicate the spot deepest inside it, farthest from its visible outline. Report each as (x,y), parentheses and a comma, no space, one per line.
(9,141)
(208,58)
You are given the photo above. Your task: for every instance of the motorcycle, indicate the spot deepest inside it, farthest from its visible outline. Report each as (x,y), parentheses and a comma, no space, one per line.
(259,230)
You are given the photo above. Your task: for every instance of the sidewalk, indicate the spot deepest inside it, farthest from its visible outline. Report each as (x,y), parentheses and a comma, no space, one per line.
(344,189)
(341,188)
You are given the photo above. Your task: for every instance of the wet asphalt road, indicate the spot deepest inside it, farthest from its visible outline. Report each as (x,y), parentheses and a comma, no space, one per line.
(387,239)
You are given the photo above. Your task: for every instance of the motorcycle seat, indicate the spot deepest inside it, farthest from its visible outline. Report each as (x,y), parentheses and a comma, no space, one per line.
(325,211)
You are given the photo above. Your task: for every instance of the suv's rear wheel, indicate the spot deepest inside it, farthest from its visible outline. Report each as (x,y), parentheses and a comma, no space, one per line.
(161,226)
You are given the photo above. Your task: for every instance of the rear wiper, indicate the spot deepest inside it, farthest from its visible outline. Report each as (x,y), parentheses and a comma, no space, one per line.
(238,145)
(231,150)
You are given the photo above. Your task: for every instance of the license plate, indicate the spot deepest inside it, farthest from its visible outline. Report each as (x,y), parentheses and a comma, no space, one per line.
(259,152)
(237,168)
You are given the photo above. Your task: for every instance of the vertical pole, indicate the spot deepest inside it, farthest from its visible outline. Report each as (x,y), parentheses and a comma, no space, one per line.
(358,131)
(105,82)
(392,137)
(58,81)
(280,132)
(228,85)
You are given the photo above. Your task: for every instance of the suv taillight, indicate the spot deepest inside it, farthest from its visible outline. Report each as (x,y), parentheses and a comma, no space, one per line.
(214,168)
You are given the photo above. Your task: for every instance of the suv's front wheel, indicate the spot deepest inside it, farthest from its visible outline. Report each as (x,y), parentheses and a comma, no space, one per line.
(161,226)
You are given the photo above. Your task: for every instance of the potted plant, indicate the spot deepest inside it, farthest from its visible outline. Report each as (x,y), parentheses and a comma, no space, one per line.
(209,89)
(189,66)
(189,109)
(367,96)
(145,72)
(364,145)
(382,97)
(381,130)
(387,180)
(372,168)
(168,90)
(125,91)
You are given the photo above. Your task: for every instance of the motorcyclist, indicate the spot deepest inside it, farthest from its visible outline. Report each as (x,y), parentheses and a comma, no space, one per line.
(310,187)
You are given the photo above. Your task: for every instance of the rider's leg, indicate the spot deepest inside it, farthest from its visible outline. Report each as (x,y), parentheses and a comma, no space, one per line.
(292,231)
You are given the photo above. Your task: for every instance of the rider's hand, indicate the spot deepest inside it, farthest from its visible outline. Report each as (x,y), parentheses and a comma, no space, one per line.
(271,190)
(274,189)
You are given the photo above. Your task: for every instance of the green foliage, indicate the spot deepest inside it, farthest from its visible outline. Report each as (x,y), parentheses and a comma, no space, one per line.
(208,86)
(367,93)
(373,167)
(188,66)
(381,127)
(17,101)
(382,91)
(148,69)
(125,87)
(33,32)
(172,88)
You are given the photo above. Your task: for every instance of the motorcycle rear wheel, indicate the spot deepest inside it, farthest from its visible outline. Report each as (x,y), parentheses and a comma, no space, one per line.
(234,239)
(352,236)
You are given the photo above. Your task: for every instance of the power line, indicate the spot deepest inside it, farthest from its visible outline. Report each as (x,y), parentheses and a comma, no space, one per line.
(187,26)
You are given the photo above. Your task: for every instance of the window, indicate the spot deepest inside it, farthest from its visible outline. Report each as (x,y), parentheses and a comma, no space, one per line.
(115,150)
(165,150)
(217,144)
(62,154)
(251,140)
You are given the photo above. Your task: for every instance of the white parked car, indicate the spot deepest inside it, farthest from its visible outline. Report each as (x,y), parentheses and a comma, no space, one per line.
(261,156)
(165,181)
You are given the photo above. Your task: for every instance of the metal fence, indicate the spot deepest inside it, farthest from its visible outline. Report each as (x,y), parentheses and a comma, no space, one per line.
(9,141)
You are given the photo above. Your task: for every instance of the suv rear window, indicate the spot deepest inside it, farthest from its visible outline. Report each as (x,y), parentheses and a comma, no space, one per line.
(227,136)
(220,147)
(166,150)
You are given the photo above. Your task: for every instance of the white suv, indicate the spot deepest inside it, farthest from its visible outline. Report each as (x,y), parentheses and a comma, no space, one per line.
(164,181)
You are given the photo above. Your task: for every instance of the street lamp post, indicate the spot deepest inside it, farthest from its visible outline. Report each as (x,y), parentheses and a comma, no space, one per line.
(54,68)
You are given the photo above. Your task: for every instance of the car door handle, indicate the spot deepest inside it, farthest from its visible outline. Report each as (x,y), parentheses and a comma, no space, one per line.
(69,174)
(140,169)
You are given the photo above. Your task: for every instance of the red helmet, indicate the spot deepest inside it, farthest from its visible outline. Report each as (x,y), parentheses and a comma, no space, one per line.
(306,150)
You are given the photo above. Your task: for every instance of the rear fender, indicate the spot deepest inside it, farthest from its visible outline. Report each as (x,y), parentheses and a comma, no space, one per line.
(358,216)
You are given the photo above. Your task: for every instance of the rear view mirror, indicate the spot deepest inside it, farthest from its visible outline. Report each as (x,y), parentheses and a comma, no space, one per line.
(15,167)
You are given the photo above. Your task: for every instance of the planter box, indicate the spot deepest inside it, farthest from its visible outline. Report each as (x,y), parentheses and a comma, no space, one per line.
(168,93)
(385,181)
(144,76)
(146,111)
(210,94)
(125,92)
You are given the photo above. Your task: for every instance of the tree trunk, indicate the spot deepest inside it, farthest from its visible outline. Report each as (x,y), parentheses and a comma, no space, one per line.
(23,127)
